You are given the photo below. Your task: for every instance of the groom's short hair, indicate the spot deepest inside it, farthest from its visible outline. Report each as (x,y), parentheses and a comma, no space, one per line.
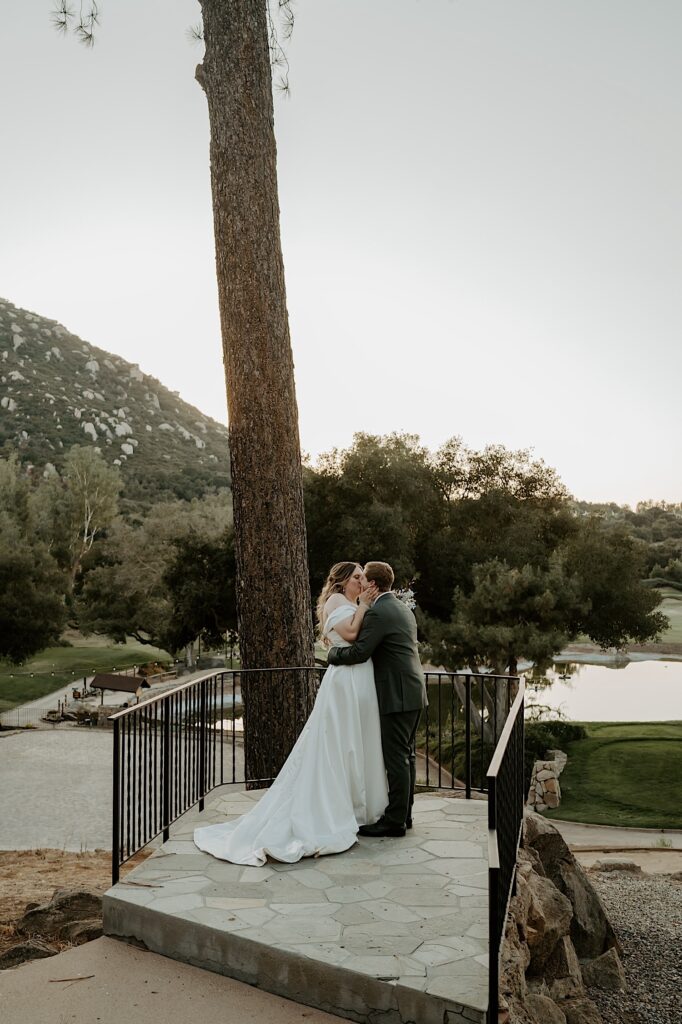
(380,573)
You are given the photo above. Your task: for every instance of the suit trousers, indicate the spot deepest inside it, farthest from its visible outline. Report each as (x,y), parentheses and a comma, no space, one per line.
(397,743)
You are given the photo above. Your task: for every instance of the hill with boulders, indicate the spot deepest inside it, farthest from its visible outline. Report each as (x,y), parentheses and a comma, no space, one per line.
(57,390)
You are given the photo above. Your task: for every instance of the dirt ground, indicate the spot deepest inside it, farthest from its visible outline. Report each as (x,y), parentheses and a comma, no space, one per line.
(31,876)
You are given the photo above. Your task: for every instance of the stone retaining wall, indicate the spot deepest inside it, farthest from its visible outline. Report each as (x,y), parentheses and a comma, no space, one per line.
(545,791)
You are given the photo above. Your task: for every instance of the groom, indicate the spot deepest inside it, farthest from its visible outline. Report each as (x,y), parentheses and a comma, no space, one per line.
(388,635)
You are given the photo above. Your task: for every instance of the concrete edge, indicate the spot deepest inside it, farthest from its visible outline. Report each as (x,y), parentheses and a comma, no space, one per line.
(327,987)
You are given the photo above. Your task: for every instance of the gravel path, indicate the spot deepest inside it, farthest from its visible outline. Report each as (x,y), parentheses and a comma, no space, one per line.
(646,911)
(56,789)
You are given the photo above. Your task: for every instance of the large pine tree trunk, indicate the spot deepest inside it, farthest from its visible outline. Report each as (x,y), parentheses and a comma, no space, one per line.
(273,596)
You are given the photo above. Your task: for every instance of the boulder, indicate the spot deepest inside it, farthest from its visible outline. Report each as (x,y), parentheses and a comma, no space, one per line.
(67,907)
(549,918)
(529,855)
(543,1010)
(606,972)
(538,986)
(554,908)
(31,949)
(544,838)
(591,931)
(562,972)
(518,1014)
(581,1011)
(79,932)
(514,961)
(617,865)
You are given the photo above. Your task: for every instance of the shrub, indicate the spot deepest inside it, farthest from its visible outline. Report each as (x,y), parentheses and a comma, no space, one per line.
(550,735)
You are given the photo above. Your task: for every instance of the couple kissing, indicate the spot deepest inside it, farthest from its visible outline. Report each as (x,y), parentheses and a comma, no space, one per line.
(352,769)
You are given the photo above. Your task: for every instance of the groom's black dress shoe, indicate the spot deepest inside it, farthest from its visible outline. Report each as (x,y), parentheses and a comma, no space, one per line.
(408,823)
(382,828)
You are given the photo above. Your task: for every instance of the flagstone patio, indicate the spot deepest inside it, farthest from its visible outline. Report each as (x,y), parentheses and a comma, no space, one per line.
(393,930)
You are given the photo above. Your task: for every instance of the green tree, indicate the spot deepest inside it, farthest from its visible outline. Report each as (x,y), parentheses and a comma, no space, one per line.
(617,608)
(14,490)
(590,584)
(74,508)
(123,592)
(32,609)
(377,499)
(433,517)
(510,613)
(505,567)
(200,580)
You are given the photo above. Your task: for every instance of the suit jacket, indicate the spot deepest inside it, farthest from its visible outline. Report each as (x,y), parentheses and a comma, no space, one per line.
(388,635)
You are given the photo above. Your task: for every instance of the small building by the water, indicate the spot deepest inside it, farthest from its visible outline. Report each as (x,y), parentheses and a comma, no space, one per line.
(125,684)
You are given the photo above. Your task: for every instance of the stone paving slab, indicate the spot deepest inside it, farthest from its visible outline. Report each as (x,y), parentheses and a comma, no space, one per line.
(392,927)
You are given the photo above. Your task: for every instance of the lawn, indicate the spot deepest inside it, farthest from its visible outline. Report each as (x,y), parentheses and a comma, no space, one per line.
(624,773)
(672,607)
(54,667)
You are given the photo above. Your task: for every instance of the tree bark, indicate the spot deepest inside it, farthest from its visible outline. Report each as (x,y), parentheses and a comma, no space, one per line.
(273,596)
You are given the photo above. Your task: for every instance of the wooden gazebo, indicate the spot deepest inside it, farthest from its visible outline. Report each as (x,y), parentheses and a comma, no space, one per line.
(126,684)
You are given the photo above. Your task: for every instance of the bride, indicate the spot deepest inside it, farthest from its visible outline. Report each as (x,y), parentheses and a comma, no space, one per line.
(334,778)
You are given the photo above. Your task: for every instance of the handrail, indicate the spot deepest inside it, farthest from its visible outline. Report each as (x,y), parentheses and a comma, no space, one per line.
(493,850)
(505,820)
(166,693)
(293,668)
(198,679)
(496,760)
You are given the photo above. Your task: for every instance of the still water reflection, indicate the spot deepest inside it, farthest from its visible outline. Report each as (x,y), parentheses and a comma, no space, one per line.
(639,691)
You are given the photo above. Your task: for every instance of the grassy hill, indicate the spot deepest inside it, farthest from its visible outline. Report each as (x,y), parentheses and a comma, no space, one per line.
(60,666)
(57,390)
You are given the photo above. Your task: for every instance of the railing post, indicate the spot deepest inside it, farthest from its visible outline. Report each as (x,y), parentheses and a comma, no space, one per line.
(493,952)
(467,734)
(166,780)
(202,744)
(116,816)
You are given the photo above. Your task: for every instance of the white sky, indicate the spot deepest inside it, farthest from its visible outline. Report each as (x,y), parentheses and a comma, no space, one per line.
(481,217)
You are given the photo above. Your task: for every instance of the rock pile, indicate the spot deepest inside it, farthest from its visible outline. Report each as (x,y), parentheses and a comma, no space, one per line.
(558,940)
(545,791)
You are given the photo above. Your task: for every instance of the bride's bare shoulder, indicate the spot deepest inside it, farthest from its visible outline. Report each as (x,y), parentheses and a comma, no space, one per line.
(332,602)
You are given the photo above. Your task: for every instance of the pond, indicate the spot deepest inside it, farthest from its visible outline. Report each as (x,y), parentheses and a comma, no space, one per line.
(639,691)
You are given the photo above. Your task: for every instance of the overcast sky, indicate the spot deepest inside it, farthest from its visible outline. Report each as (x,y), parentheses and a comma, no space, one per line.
(481,218)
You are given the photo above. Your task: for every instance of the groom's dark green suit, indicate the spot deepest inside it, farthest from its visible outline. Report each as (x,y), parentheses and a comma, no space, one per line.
(388,635)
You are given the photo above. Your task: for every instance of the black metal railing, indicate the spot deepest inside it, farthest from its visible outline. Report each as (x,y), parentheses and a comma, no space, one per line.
(460,727)
(171,751)
(505,820)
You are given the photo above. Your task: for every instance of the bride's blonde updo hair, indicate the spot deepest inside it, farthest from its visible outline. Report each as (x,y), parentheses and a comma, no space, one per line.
(339,575)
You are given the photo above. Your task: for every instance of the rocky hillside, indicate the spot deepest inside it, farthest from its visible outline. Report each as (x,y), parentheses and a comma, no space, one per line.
(57,390)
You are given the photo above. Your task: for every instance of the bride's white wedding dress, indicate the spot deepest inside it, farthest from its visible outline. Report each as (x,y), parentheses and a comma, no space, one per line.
(333,780)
